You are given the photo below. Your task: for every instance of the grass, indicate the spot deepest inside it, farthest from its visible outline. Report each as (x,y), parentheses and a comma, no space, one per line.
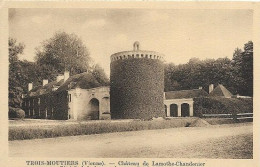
(35,129)
(87,128)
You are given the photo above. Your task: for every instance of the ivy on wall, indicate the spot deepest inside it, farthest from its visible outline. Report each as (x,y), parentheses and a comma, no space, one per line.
(136,89)
(47,106)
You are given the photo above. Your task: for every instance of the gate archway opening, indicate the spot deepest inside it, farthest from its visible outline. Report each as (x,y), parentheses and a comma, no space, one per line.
(94,109)
(174,110)
(185,110)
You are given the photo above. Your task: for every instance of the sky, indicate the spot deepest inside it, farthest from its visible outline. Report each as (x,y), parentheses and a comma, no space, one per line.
(178,34)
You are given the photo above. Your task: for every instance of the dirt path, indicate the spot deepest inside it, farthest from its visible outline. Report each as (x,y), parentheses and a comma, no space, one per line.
(148,143)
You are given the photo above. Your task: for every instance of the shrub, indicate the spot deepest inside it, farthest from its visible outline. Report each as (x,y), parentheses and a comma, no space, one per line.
(16,113)
(219,105)
(33,132)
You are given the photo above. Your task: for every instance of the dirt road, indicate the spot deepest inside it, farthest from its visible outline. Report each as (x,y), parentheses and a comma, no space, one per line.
(218,141)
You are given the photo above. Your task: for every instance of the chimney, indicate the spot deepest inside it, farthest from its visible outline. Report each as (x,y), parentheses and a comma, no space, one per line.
(200,87)
(30,86)
(59,78)
(211,87)
(44,82)
(66,75)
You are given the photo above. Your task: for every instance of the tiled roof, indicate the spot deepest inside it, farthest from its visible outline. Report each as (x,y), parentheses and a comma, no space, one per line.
(185,94)
(84,81)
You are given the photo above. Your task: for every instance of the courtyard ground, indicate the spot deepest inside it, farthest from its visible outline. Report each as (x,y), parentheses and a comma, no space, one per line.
(227,141)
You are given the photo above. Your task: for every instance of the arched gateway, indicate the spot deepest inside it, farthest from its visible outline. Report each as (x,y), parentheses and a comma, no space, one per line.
(93,109)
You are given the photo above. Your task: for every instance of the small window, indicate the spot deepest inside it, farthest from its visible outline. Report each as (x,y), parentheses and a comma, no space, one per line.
(69,97)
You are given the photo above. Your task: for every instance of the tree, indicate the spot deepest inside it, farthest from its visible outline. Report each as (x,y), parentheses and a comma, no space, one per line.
(63,52)
(100,75)
(235,74)
(15,73)
(242,63)
(14,50)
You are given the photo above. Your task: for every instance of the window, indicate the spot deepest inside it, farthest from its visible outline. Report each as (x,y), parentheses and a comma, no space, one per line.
(69,97)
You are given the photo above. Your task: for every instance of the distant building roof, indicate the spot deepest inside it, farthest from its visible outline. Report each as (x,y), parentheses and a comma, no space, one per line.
(220,91)
(185,94)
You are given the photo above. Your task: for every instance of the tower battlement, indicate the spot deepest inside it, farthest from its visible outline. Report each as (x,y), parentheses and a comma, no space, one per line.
(137,55)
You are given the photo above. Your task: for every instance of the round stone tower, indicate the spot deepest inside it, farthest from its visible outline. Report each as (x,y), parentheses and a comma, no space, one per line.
(137,84)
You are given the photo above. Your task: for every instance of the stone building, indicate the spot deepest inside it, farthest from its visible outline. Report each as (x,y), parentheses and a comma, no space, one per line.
(68,98)
(180,103)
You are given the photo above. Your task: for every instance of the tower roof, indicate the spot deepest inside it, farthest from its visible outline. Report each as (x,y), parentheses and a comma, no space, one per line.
(136,53)
(136,46)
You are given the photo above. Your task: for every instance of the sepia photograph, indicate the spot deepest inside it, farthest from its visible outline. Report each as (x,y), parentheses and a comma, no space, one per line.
(130,83)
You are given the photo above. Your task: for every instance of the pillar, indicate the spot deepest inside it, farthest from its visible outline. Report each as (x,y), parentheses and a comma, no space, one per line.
(179,110)
(168,110)
(191,109)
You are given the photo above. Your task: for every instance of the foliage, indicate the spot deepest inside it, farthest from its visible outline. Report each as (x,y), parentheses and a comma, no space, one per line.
(236,74)
(16,76)
(197,73)
(16,113)
(64,52)
(242,64)
(100,75)
(219,105)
